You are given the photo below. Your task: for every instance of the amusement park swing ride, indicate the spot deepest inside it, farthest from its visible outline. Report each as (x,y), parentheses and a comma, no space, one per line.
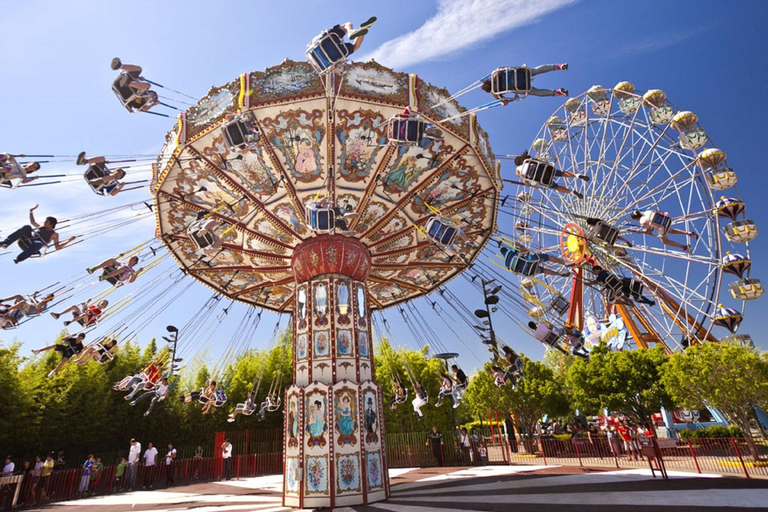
(333,191)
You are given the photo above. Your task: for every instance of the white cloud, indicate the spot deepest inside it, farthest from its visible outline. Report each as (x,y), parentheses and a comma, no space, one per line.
(655,43)
(459,24)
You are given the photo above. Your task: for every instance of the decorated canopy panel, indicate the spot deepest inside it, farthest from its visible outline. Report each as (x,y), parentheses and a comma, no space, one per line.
(324,140)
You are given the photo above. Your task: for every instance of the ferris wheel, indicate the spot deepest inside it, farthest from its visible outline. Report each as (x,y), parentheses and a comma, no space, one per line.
(641,205)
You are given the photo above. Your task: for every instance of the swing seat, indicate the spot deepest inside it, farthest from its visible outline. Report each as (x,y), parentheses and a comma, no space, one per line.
(247,411)
(200,236)
(661,221)
(130,98)
(512,80)
(27,242)
(276,407)
(405,130)
(321,219)
(605,233)
(239,134)
(559,304)
(441,230)
(326,52)
(94,176)
(550,338)
(614,284)
(632,288)
(539,171)
(103,355)
(524,265)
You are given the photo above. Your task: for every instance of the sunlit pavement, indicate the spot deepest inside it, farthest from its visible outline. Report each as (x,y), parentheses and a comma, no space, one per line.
(489,488)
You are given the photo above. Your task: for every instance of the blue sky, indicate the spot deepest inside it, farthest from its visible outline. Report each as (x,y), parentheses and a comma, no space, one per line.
(709,57)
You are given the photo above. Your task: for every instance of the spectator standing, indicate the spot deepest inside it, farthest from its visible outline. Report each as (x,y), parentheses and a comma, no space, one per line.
(170,464)
(150,458)
(483,453)
(133,464)
(60,462)
(119,474)
(226,455)
(8,467)
(466,446)
(196,461)
(436,439)
(26,483)
(629,443)
(37,471)
(85,479)
(96,472)
(45,476)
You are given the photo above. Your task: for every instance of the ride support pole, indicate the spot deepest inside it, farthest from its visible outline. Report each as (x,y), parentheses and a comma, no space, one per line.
(693,455)
(741,460)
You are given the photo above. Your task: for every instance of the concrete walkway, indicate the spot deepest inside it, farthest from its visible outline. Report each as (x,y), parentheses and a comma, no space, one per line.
(491,488)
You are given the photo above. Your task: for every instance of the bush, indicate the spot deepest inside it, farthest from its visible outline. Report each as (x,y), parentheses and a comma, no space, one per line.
(563,437)
(716,431)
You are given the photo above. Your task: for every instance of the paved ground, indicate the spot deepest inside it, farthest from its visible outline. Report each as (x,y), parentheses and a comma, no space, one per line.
(490,488)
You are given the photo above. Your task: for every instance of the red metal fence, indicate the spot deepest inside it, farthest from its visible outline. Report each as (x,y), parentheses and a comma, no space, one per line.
(258,453)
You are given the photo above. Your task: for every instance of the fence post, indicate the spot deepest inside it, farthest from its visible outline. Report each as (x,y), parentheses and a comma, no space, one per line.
(576,445)
(743,466)
(693,454)
(543,455)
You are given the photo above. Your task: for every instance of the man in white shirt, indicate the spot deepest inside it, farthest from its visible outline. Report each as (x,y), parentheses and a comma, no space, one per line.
(170,459)
(133,464)
(226,455)
(150,456)
(9,467)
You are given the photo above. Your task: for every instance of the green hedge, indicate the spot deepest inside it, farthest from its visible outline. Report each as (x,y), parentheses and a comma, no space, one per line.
(732,431)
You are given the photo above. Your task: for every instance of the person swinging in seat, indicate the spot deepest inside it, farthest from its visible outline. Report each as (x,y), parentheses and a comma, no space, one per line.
(12,314)
(157,393)
(398,395)
(409,129)
(117,273)
(246,408)
(537,173)
(202,232)
(343,215)
(661,223)
(446,386)
(70,347)
(13,174)
(100,352)
(521,261)
(619,289)
(460,382)
(34,238)
(517,81)
(329,49)
(85,314)
(421,399)
(131,89)
(101,180)
(270,404)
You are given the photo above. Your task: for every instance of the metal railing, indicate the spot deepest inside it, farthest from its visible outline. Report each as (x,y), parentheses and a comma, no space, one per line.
(259,453)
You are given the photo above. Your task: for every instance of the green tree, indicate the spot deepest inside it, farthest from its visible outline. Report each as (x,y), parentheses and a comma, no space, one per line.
(539,392)
(628,382)
(557,361)
(730,378)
